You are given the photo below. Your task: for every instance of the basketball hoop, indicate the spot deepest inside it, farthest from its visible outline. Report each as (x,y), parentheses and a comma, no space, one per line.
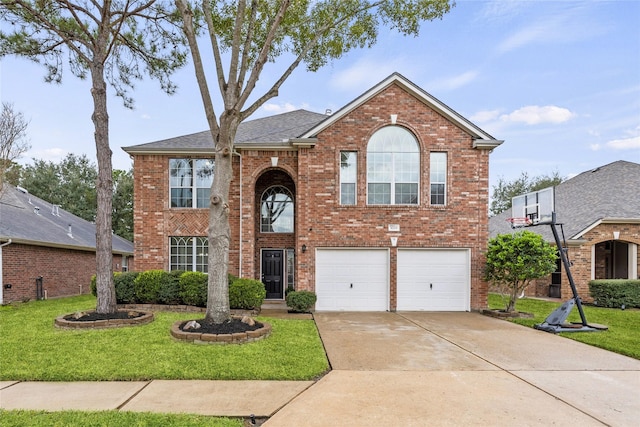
(519,222)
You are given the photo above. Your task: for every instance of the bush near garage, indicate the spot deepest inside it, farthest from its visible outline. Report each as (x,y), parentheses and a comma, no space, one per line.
(301,301)
(615,293)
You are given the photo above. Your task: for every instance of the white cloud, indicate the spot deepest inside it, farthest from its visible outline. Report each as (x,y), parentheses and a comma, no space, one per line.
(369,71)
(485,116)
(145,116)
(55,155)
(453,82)
(625,143)
(595,147)
(534,114)
(273,108)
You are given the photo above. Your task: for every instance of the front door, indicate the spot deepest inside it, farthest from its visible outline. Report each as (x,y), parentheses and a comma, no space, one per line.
(272,273)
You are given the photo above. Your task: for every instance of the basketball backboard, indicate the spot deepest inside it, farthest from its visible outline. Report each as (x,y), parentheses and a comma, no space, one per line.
(537,206)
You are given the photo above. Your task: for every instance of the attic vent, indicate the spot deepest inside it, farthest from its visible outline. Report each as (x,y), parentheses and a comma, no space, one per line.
(55,210)
(22,190)
(69,233)
(36,210)
(328,112)
(595,170)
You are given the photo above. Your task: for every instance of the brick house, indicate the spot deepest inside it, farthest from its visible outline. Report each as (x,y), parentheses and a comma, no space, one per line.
(45,251)
(380,206)
(599,210)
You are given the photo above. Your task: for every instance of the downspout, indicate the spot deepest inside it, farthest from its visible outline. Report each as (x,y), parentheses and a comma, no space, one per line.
(7,243)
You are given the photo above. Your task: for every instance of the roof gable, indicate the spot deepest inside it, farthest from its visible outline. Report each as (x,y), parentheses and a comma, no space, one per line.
(483,139)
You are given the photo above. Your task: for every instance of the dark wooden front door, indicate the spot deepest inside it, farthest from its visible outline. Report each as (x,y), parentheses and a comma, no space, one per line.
(272,273)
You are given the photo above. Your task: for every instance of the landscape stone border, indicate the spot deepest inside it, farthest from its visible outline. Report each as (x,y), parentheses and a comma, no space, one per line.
(184,309)
(204,338)
(63,322)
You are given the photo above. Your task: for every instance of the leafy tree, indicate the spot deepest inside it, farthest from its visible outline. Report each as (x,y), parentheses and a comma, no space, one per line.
(251,34)
(514,260)
(13,140)
(123,203)
(504,191)
(70,184)
(113,41)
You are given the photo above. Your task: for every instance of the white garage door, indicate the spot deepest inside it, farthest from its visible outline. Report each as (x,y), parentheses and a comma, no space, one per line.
(352,279)
(433,279)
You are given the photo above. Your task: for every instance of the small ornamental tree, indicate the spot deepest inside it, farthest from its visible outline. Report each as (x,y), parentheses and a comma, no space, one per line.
(514,260)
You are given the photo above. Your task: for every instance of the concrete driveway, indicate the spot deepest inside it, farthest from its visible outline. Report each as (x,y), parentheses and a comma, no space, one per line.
(451,369)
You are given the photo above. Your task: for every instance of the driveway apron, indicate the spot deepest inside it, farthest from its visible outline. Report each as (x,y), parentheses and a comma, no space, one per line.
(449,369)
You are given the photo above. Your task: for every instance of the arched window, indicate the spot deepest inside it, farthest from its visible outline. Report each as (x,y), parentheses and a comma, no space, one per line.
(276,210)
(393,167)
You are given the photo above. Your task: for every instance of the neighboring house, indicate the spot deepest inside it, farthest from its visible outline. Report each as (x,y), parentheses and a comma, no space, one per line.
(382,205)
(47,252)
(600,215)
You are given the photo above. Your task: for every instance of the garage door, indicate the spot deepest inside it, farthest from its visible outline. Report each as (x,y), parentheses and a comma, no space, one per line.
(433,280)
(352,279)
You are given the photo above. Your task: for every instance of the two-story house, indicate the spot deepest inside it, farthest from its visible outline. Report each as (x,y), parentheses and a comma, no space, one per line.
(382,205)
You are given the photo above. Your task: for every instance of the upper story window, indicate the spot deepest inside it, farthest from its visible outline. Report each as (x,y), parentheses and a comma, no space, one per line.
(190,182)
(189,254)
(276,210)
(438,177)
(393,167)
(348,175)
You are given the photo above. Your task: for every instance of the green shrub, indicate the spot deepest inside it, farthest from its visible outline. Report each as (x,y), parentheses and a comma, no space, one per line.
(169,292)
(125,288)
(301,301)
(94,285)
(193,288)
(246,294)
(147,286)
(615,293)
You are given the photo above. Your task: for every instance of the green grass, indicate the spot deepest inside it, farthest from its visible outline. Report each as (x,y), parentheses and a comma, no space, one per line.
(623,335)
(111,419)
(32,349)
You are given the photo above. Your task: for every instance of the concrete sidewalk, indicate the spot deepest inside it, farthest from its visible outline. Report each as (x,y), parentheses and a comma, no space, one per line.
(408,369)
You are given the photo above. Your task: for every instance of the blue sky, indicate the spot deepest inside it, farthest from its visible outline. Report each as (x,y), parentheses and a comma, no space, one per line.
(559,81)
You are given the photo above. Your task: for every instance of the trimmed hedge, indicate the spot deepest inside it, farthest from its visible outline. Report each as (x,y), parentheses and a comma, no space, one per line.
(615,293)
(125,291)
(246,294)
(301,301)
(193,288)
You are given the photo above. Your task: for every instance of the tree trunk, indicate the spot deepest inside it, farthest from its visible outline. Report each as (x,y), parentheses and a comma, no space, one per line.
(219,234)
(106,293)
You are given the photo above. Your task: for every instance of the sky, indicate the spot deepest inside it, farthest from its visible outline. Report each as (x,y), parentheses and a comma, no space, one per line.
(558,81)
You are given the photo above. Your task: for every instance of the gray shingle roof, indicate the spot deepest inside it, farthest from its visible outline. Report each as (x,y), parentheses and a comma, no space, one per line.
(267,130)
(608,192)
(25,218)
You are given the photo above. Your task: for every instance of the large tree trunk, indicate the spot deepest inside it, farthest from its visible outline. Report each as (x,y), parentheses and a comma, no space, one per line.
(106,293)
(218,309)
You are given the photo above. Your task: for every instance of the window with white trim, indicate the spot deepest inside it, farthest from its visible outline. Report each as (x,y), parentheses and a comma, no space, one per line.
(190,182)
(276,210)
(188,253)
(348,176)
(393,167)
(438,177)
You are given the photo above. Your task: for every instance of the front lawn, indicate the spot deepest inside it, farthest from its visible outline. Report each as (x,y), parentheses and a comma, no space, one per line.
(32,349)
(111,419)
(622,337)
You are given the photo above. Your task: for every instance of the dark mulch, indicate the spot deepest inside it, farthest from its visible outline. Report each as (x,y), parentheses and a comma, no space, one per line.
(92,316)
(228,327)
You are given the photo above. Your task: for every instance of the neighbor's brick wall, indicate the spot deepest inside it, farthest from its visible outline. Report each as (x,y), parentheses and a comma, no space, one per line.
(462,223)
(65,272)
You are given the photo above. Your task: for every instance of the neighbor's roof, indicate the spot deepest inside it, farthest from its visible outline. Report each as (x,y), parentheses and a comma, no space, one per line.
(27,219)
(302,127)
(607,194)
(274,130)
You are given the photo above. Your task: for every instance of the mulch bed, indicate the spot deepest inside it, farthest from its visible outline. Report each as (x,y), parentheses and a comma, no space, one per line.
(92,316)
(231,326)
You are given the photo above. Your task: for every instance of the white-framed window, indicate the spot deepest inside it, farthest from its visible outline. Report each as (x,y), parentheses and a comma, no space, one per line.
(393,167)
(190,182)
(348,177)
(438,178)
(276,210)
(188,253)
